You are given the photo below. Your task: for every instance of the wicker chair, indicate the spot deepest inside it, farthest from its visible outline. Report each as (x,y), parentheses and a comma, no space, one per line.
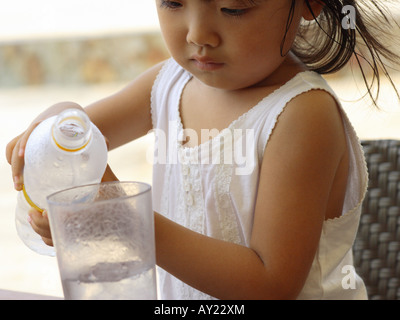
(377,246)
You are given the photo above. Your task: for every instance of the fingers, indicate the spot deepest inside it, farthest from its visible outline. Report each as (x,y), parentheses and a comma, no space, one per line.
(14,158)
(40,224)
(15,152)
(10,148)
(17,167)
(109,175)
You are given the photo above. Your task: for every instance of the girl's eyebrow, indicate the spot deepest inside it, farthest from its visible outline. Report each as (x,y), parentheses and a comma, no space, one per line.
(247,2)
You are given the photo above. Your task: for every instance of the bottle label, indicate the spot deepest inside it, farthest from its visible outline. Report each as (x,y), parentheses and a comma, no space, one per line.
(31,203)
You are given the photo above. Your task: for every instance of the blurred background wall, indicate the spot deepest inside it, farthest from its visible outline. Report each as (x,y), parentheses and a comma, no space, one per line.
(82,51)
(79,61)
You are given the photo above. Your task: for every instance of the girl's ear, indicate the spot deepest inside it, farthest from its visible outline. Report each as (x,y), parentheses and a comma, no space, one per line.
(316,7)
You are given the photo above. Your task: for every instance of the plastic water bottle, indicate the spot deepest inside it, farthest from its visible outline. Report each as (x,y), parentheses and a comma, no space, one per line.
(63,151)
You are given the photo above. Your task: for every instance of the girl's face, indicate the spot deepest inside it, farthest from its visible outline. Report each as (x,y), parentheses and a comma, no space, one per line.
(228,44)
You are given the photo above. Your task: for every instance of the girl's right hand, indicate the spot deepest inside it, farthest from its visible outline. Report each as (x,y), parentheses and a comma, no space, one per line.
(15,149)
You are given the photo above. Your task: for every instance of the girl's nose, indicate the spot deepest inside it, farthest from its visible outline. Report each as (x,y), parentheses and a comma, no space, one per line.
(201,33)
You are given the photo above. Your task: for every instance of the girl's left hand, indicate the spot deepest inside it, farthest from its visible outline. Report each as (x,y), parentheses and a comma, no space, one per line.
(40,224)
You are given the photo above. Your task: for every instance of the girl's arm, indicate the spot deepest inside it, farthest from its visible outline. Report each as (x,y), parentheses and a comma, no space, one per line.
(298,170)
(126,116)
(121,118)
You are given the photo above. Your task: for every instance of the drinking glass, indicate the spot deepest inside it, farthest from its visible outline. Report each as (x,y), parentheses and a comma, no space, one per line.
(104,240)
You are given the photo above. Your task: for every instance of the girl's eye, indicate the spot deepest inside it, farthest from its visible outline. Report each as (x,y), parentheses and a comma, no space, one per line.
(170,4)
(234,12)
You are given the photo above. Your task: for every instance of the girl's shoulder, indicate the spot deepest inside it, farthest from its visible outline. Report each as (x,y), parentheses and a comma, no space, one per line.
(308,88)
(316,115)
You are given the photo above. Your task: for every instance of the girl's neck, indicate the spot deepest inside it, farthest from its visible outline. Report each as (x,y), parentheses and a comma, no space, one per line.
(290,66)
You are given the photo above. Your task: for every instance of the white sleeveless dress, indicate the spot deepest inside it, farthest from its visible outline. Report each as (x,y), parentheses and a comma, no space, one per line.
(211,188)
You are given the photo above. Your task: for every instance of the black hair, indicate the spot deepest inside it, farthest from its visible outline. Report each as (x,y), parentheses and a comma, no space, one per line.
(327,43)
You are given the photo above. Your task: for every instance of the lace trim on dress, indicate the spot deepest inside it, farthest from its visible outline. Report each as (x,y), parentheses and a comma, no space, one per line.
(191,206)
(153,95)
(227,219)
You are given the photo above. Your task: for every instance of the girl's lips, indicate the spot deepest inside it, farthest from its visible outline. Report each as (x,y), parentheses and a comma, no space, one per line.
(206,64)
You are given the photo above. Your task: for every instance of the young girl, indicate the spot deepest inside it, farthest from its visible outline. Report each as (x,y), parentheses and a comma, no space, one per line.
(258,174)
